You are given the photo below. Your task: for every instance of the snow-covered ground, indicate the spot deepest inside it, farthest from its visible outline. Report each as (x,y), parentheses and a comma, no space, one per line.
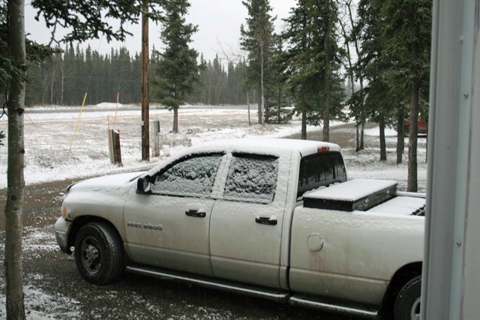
(61,144)
(56,149)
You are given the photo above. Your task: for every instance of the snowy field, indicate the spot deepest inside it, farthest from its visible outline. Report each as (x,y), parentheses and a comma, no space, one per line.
(54,153)
(62,143)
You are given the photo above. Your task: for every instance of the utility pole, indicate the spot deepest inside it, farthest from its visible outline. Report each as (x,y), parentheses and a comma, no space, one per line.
(145,86)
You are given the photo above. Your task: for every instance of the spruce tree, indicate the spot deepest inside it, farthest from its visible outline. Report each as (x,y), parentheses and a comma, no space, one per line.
(350,32)
(177,71)
(407,38)
(372,66)
(257,38)
(276,111)
(313,59)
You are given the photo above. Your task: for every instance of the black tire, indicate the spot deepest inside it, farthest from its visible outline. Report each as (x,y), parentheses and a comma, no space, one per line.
(99,253)
(407,304)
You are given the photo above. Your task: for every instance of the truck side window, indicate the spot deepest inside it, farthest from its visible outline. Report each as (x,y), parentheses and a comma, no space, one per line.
(252,178)
(320,169)
(193,176)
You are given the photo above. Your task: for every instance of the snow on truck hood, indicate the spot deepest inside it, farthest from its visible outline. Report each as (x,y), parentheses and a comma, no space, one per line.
(106,182)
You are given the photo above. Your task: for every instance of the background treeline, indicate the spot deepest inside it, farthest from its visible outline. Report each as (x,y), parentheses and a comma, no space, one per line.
(63,79)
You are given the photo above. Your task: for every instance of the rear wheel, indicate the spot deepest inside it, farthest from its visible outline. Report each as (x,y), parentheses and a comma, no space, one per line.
(99,253)
(407,304)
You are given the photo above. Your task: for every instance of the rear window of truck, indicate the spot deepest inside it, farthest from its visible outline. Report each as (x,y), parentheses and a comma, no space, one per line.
(320,169)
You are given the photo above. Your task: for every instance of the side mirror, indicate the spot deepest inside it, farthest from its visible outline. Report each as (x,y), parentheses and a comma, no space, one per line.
(144,185)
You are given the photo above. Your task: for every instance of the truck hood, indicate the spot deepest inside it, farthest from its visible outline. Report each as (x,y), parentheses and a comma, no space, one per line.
(111,182)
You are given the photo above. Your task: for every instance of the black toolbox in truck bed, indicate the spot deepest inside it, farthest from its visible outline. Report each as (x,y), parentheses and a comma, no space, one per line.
(359,194)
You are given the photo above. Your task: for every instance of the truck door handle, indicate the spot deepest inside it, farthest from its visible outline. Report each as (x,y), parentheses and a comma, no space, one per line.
(269,221)
(195,213)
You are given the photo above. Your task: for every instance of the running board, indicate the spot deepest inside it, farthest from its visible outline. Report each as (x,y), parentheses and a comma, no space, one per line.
(297,301)
(281,297)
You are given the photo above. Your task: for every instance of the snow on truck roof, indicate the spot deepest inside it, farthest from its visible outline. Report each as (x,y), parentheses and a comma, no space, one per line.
(268,145)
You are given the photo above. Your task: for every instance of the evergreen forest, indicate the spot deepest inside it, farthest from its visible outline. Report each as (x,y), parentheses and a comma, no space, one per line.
(65,76)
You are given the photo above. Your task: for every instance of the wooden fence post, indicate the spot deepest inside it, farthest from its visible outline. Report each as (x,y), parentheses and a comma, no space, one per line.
(155,137)
(114,146)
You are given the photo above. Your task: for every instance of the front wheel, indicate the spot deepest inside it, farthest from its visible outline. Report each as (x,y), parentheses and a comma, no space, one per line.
(99,253)
(407,304)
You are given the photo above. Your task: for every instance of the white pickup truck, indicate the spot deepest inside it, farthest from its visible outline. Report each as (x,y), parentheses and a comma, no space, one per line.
(274,218)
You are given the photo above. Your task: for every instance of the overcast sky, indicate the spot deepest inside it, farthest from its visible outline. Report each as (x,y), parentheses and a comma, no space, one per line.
(218,22)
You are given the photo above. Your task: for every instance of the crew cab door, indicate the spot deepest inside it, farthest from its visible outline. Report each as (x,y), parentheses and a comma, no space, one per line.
(246,222)
(169,227)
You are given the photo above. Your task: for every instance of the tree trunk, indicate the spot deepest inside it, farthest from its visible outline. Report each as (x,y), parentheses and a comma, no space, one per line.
(259,110)
(326,120)
(360,146)
(400,135)
(262,105)
(175,119)
(351,76)
(412,139)
(326,93)
(279,108)
(383,143)
(145,86)
(362,135)
(248,98)
(304,125)
(326,109)
(44,87)
(266,118)
(15,191)
(52,84)
(210,90)
(63,82)
(175,112)
(357,136)
(248,106)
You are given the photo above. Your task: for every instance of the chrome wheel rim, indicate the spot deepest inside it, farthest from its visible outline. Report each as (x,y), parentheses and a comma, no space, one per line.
(415,311)
(90,255)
